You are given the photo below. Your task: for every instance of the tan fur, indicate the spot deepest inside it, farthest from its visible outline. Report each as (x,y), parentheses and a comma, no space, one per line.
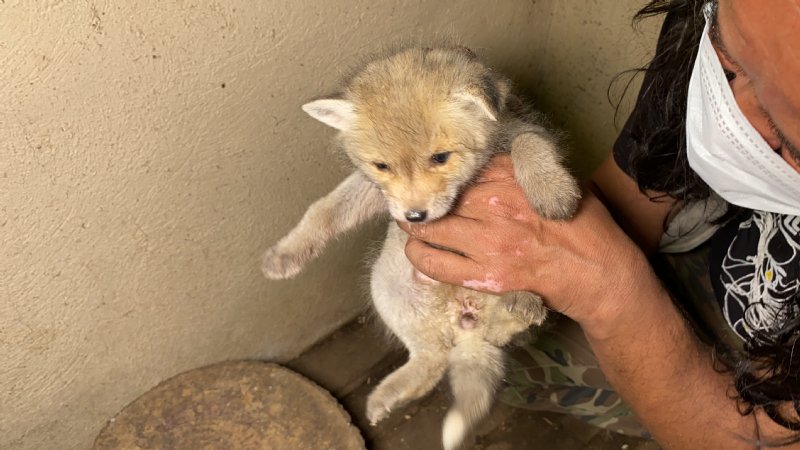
(393,116)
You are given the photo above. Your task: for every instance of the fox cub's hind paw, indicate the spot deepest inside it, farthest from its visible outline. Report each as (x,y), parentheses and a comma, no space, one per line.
(526,305)
(378,407)
(282,261)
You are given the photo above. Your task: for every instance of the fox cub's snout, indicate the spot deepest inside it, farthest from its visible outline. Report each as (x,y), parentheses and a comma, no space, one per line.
(419,134)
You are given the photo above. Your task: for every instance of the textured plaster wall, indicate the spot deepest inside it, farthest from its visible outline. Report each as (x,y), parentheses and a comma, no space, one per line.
(573,74)
(150,150)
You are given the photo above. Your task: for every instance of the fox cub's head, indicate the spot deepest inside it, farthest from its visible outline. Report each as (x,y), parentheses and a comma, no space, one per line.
(418,124)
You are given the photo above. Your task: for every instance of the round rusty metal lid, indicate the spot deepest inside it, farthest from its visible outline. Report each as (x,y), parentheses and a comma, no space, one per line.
(233,405)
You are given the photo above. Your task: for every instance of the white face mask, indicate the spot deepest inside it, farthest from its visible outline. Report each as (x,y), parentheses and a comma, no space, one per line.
(727,151)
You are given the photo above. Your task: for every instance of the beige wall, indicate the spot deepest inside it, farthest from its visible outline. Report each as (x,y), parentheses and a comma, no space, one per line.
(151,150)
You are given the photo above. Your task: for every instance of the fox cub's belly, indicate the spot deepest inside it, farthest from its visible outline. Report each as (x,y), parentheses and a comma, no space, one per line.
(400,290)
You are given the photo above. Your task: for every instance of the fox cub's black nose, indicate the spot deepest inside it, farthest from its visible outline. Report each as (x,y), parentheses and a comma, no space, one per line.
(416,216)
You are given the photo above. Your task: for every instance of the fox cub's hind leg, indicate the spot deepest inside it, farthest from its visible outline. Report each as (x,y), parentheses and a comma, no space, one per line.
(539,168)
(353,202)
(526,306)
(414,379)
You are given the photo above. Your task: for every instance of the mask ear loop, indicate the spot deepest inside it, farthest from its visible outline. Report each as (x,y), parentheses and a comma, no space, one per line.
(709,10)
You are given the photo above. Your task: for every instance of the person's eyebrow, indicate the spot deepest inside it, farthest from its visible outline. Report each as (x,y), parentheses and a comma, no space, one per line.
(716,38)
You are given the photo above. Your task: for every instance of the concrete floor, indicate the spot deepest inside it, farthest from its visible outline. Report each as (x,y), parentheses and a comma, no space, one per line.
(351,361)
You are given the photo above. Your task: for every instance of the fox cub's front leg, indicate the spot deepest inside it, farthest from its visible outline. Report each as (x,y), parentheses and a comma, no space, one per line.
(353,202)
(539,168)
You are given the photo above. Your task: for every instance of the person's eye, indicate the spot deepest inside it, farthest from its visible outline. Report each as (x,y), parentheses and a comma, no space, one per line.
(730,75)
(781,138)
(730,68)
(775,138)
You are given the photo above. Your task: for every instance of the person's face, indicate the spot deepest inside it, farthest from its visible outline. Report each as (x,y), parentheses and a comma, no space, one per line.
(758,43)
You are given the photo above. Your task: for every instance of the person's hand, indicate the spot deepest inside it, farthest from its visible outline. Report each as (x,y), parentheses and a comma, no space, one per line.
(500,244)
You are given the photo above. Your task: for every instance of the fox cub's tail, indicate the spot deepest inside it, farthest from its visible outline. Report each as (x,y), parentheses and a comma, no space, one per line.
(476,368)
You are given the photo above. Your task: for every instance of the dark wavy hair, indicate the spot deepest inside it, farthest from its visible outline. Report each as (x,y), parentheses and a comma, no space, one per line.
(766,373)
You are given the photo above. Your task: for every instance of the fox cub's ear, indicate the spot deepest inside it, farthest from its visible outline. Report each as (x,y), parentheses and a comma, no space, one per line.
(335,112)
(488,95)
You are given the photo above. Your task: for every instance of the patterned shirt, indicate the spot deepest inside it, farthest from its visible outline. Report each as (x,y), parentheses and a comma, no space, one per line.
(755,271)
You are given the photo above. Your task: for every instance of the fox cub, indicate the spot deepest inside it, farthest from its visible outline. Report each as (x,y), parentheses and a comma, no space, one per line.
(419,125)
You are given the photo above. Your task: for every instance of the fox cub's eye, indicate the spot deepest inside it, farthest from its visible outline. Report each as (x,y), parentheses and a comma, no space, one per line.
(440,158)
(383,167)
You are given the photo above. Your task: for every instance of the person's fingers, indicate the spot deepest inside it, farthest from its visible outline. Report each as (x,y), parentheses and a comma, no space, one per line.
(447,267)
(496,198)
(451,232)
(500,168)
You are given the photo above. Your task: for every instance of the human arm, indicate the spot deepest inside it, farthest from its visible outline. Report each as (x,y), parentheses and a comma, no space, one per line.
(645,348)
(641,215)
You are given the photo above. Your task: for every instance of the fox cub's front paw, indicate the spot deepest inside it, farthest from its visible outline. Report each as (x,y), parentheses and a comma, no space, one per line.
(282,261)
(558,199)
(549,186)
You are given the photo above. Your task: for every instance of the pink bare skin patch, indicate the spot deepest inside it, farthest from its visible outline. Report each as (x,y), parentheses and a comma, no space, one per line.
(484,285)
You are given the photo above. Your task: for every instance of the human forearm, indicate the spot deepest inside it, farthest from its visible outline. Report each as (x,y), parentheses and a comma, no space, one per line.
(640,214)
(650,355)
